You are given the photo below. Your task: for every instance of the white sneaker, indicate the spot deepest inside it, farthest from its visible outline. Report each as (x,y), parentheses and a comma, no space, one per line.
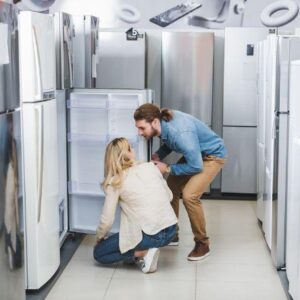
(148,264)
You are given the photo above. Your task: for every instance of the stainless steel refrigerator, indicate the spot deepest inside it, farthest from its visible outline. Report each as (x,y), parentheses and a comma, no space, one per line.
(187,73)
(85,51)
(240,109)
(122,61)
(12,271)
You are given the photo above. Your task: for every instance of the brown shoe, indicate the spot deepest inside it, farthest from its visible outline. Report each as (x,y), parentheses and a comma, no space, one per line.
(199,252)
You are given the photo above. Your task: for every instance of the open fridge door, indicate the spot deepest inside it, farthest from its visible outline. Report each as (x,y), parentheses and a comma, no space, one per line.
(96,117)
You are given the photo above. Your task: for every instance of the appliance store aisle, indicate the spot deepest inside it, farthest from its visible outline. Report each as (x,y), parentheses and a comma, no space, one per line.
(238,268)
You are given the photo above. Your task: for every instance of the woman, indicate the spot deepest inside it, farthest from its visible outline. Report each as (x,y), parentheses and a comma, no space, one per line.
(148,221)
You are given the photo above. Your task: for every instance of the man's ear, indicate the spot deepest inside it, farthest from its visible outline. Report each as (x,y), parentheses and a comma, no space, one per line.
(155,122)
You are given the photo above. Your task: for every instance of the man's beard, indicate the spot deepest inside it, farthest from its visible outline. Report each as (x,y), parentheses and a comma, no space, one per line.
(153,133)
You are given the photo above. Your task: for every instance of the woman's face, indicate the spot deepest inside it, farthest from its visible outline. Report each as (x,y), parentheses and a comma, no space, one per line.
(131,153)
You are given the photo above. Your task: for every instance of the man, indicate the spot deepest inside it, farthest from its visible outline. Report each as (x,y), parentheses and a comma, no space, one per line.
(203,156)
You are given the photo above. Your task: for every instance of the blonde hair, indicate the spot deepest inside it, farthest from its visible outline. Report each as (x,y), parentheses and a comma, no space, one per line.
(116,161)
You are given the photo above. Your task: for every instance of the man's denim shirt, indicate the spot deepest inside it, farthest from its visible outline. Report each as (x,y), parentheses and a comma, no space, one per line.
(193,139)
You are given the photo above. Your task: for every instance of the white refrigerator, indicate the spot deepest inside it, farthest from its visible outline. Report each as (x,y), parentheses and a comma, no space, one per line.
(39,146)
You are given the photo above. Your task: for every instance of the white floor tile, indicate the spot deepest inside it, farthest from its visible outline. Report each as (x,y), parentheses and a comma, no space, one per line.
(211,290)
(151,289)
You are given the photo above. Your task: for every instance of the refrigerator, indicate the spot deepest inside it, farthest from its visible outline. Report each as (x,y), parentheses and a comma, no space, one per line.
(12,270)
(280,51)
(39,146)
(95,117)
(187,73)
(86,43)
(118,57)
(293,190)
(240,109)
(64,35)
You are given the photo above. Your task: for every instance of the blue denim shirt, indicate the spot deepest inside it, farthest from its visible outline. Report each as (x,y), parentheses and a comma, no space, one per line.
(193,139)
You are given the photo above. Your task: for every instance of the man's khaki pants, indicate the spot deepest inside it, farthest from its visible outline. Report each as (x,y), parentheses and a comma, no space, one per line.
(192,188)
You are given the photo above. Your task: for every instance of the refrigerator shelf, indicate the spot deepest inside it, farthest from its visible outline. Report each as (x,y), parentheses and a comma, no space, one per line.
(85,189)
(85,213)
(88,100)
(73,137)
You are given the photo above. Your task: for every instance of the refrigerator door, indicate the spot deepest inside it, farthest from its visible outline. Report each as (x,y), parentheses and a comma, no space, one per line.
(62,162)
(270,134)
(241,146)
(12,283)
(9,61)
(261,111)
(293,194)
(119,57)
(39,141)
(240,89)
(37,56)
(64,33)
(96,117)
(187,73)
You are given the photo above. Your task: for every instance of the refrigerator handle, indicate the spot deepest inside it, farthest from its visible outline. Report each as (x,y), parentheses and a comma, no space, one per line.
(70,65)
(40,149)
(37,60)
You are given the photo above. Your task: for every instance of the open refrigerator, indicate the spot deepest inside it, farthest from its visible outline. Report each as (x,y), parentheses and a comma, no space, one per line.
(95,117)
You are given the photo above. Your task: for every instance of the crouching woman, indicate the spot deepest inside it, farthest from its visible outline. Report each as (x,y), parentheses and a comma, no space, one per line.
(148,221)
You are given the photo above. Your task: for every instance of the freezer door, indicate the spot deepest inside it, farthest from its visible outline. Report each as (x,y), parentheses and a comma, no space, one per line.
(64,34)
(95,118)
(119,57)
(12,268)
(187,73)
(37,56)
(239,172)
(9,61)
(240,90)
(41,190)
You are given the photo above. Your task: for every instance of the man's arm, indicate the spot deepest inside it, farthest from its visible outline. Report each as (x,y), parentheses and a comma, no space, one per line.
(188,145)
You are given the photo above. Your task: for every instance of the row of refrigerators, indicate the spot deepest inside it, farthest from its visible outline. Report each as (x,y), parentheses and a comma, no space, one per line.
(278,152)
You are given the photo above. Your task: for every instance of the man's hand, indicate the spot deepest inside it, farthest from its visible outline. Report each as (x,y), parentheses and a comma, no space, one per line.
(162,166)
(155,157)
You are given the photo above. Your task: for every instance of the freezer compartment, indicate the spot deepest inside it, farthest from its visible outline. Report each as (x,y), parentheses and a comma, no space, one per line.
(239,172)
(85,214)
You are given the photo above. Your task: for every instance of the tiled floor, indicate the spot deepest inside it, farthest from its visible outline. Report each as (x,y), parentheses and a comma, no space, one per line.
(239,267)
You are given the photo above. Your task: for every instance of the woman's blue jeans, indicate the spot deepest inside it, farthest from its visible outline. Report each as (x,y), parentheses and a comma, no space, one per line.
(108,251)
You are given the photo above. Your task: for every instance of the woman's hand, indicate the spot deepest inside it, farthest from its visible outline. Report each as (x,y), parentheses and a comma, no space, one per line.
(161,166)
(155,157)
(98,241)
